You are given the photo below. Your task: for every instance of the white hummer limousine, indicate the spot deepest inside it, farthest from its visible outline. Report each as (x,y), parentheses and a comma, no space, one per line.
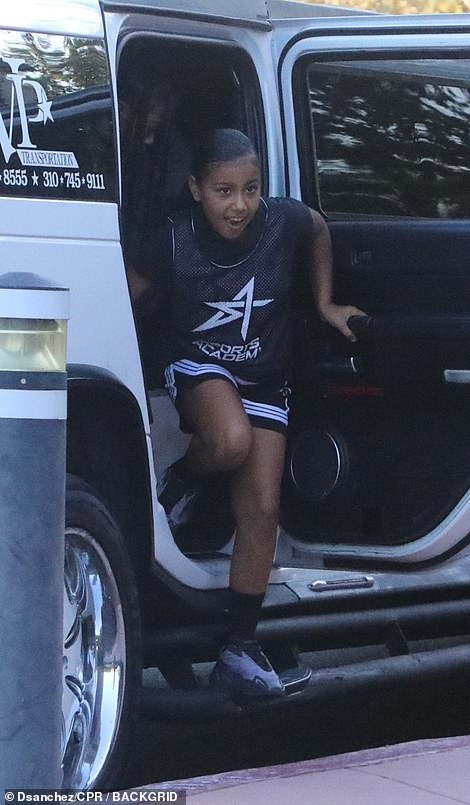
(364,117)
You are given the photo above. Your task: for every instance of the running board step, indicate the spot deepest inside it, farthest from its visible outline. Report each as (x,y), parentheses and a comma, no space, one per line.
(382,675)
(317,630)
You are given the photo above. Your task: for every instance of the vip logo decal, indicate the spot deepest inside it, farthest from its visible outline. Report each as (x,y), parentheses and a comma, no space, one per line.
(27,151)
(240,307)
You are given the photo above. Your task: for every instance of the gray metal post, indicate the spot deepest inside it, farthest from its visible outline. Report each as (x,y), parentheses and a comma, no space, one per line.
(32,506)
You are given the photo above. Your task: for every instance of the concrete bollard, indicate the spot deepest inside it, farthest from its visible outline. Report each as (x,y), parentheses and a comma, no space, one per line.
(33,401)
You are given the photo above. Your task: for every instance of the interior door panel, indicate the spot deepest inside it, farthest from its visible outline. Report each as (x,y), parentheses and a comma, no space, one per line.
(406,265)
(383,419)
(379,445)
(415,286)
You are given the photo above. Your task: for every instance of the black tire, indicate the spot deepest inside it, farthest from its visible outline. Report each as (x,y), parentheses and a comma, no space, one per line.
(102,645)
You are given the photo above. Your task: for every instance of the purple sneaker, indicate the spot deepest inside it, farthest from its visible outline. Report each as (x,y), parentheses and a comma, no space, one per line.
(244,671)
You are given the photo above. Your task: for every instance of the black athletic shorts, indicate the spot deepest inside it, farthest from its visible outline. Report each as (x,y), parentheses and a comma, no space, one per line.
(266,404)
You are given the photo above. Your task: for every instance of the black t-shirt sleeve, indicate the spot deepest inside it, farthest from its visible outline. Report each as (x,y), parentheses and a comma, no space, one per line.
(302,226)
(302,230)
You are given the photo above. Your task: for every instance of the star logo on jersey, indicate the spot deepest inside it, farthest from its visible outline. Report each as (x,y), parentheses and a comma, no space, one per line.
(240,307)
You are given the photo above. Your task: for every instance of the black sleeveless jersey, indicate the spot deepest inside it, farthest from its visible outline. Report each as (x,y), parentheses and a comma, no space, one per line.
(226,302)
(231,303)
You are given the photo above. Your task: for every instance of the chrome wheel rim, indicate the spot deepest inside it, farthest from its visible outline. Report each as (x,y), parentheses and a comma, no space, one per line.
(94,660)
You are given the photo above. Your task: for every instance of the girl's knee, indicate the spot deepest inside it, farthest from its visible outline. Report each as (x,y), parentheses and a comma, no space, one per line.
(231,447)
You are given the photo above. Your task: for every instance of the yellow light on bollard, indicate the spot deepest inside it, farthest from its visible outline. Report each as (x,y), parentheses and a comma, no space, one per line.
(33,345)
(33,329)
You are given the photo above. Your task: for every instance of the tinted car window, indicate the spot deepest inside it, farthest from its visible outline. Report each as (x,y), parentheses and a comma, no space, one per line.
(56,124)
(392,137)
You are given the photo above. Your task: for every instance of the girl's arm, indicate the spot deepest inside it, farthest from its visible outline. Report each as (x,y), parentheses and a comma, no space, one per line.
(138,283)
(321,278)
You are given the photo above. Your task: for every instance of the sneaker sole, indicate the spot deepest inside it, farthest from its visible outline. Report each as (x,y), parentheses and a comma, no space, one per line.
(243,689)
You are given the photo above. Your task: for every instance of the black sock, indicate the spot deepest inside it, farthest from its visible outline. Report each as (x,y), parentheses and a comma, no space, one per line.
(244,612)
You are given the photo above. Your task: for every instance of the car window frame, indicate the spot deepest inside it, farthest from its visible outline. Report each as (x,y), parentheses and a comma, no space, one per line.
(341,47)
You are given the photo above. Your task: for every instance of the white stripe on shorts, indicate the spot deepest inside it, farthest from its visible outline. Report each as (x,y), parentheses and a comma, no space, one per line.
(192,369)
(265,411)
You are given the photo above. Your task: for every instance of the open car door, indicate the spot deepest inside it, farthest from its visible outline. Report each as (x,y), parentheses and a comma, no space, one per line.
(377,137)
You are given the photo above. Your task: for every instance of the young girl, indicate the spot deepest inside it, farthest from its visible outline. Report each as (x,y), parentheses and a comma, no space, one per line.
(232,260)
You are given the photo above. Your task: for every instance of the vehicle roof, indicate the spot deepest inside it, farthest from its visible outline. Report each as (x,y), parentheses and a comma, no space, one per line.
(283,9)
(284,14)
(248,10)
(84,18)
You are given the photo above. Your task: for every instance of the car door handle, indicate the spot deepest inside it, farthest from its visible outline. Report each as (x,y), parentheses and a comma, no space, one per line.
(360,325)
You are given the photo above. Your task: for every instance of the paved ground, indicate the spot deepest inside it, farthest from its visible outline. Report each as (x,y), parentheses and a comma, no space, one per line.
(430,772)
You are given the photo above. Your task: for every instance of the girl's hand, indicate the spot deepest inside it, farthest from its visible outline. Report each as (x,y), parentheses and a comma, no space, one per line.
(338,315)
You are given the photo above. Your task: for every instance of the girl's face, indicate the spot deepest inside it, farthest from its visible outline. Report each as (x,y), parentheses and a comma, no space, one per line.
(229,193)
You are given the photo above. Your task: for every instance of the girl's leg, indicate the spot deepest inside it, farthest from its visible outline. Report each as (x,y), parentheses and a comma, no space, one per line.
(242,668)
(224,441)
(221,441)
(255,491)
(222,434)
